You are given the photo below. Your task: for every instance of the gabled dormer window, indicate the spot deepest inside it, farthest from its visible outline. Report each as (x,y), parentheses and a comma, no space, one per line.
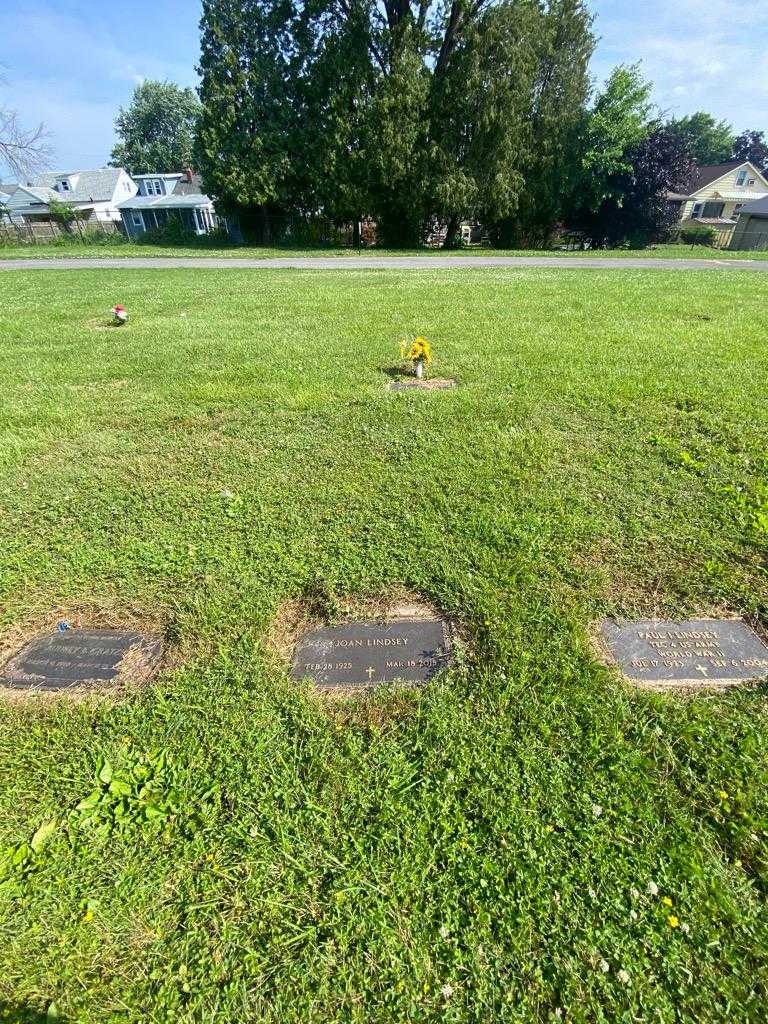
(63,185)
(153,187)
(741,177)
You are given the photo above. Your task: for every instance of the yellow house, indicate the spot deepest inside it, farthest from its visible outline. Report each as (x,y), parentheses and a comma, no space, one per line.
(719,191)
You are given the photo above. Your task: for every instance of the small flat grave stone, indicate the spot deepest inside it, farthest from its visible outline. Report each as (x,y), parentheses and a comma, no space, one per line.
(78,657)
(368,653)
(428,384)
(698,653)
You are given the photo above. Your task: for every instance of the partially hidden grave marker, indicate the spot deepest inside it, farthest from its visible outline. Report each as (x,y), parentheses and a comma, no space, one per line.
(428,384)
(79,657)
(696,653)
(367,653)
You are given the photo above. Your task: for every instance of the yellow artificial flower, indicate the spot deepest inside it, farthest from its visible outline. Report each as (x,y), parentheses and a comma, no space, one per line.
(667,901)
(420,349)
(88,916)
(672,921)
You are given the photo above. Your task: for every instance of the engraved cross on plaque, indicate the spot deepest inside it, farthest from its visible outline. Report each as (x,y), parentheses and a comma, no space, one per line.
(369,672)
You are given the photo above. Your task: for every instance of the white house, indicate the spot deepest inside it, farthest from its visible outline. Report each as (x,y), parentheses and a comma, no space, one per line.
(95,193)
(719,191)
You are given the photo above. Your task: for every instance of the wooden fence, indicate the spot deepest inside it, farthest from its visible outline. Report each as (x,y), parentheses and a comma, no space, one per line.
(44,232)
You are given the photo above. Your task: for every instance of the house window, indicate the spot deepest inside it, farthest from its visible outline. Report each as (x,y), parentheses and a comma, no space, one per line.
(138,220)
(713,209)
(741,177)
(154,187)
(696,211)
(64,185)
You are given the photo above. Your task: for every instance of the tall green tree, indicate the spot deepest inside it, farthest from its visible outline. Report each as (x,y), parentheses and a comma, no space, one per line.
(247,146)
(635,209)
(751,146)
(332,114)
(478,121)
(157,129)
(405,110)
(620,118)
(709,141)
(552,104)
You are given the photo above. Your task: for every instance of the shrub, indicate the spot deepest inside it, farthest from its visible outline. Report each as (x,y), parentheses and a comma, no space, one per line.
(90,235)
(174,232)
(698,234)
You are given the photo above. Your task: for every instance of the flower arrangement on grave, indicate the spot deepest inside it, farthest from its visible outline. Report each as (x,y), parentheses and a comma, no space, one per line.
(119,314)
(419,352)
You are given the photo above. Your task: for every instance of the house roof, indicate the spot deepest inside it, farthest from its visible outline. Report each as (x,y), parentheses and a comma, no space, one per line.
(95,186)
(172,202)
(187,187)
(759,208)
(709,173)
(42,195)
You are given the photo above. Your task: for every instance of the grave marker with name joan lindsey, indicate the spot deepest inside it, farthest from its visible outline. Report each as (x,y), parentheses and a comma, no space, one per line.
(695,653)
(367,653)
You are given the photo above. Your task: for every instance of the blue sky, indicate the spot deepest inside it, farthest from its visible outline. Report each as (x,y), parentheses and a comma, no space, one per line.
(72,65)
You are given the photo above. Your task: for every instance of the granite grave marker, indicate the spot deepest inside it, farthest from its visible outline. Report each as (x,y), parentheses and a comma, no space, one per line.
(696,653)
(367,653)
(77,657)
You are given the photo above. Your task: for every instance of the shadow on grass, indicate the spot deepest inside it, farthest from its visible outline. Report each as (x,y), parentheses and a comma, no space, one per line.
(396,372)
(25,1015)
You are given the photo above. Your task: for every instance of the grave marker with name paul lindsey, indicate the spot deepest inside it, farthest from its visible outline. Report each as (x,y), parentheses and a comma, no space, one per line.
(367,653)
(78,657)
(696,653)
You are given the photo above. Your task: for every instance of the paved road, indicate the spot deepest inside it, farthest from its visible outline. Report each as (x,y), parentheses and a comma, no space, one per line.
(383,263)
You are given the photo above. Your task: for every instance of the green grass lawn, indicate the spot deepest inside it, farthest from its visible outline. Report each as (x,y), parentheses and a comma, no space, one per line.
(514,843)
(126,248)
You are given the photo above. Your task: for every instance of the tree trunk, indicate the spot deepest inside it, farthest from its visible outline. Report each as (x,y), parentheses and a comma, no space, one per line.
(452,232)
(356,235)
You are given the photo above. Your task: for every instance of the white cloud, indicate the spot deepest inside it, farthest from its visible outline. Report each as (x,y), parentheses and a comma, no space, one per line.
(74,72)
(700,54)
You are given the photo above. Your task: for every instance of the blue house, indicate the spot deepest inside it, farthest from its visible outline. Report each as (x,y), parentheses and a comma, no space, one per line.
(164,196)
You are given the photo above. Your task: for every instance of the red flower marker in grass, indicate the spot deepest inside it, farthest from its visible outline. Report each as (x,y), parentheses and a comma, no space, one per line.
(120,313)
